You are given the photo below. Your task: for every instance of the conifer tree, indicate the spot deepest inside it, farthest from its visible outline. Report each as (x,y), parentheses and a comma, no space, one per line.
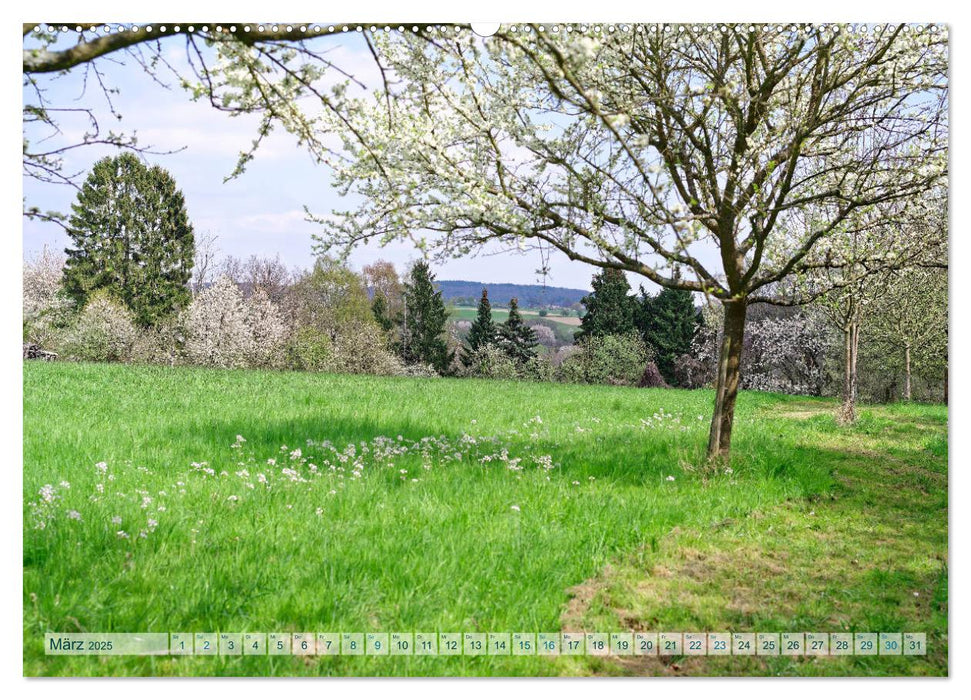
(131,238)
(425,318)
(667,323)
(610,307)
(517,339)
(483,331)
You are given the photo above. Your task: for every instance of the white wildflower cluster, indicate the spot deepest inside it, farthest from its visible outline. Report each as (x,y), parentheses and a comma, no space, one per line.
(54,502)
(131,513)
(44,509)
(662,419)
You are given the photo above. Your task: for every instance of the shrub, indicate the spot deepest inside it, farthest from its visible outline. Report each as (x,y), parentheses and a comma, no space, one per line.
(103,332)
(46,309)
(217,334)
(562,354)
(608,359)
(418,371)
(691,372)
(310,350)
(161,345)
(269,331)
(489,362)
(539,369)
(358,349)
(652,378)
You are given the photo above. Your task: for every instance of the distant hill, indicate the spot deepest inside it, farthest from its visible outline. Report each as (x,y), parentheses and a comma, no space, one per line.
(529,295)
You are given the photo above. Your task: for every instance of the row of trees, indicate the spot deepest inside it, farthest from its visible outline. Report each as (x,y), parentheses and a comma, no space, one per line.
(900,335)
(517,340)
(327,319)
(320,320)
(666,322)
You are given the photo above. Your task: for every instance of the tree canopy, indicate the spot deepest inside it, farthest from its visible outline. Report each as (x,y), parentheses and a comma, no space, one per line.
(637,149)
(610,307)
(131,237)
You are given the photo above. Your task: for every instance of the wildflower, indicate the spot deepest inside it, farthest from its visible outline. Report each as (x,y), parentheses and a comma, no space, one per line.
(116,520)
(319,511)
(296,454)
(240,438)
(73,515)
(101,467)
(233,499)
(576,483)
(271,461)
(261,478)
(515,508)
(152,523)
(670,478)
(47,493)
(100,488)
(332,492)
(122,534)
(66,484)
(161,509)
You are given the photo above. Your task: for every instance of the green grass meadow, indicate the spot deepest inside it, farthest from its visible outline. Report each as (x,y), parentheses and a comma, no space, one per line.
(360,504)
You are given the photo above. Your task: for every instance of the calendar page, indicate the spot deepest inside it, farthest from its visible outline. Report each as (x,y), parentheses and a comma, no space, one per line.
(604,348)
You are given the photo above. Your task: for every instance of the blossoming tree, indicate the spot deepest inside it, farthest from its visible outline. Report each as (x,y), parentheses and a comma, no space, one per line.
(689,155)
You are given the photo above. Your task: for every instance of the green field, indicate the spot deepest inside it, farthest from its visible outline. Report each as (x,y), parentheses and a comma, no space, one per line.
(563,326)
(397,504)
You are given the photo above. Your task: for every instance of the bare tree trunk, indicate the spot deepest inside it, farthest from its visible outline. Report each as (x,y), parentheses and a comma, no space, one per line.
(851,344)
(907,394)
(726,383)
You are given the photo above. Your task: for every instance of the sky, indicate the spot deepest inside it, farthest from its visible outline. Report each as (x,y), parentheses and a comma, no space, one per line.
(261,212)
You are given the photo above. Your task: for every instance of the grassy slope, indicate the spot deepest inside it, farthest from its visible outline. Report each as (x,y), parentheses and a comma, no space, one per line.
(448,552)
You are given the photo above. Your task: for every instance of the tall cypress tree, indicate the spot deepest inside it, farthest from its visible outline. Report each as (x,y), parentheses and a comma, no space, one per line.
(668,323)
(517,339)
(425,318)
(610,307)
(132,238)
(483,331)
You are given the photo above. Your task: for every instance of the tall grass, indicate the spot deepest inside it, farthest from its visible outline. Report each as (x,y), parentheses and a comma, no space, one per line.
(191,500)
